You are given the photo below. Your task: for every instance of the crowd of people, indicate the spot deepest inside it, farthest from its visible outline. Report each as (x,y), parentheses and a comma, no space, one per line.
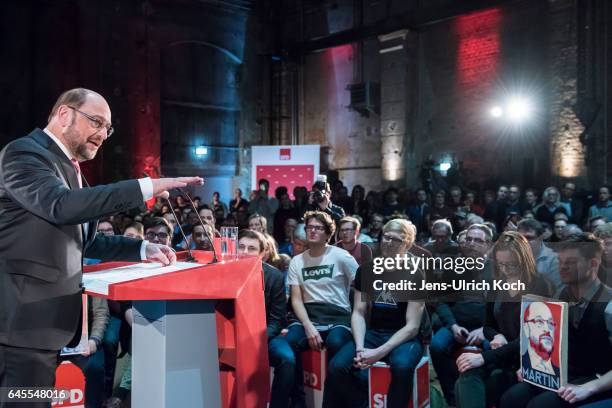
(317,251)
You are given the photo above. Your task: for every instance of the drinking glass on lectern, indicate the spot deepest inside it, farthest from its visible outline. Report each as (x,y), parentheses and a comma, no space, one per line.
(229,242)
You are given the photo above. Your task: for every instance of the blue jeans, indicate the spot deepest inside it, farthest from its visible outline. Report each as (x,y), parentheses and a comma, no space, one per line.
(334,340)
(348,386)
(110,345)
(282,358)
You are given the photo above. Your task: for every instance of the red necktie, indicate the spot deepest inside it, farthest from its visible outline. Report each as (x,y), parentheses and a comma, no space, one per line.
(77,168)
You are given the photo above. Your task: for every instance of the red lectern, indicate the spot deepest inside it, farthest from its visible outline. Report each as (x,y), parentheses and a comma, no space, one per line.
(199,334)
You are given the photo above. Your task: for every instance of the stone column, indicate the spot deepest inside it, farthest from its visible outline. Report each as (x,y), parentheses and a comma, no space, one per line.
(394,104)
(566,150)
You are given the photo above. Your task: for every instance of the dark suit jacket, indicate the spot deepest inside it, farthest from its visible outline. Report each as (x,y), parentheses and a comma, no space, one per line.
(276,300)
(527,363)
(42,243)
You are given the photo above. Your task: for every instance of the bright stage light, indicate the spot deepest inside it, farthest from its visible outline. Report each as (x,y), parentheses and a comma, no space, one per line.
(497,111)
(201,151)
(518,109)
(445,166)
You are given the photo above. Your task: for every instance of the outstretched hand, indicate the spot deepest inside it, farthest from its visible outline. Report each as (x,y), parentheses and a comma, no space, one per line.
(162,185)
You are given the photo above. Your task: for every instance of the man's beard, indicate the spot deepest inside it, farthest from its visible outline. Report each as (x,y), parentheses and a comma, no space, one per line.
(81,150)
(544,348)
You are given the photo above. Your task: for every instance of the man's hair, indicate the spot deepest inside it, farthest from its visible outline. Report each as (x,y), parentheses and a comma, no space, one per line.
(323,218)
(204,207)
(443,192)
(112,224)
(484,228)
(528,309)
(474,219)
(403,227)
(137,226)
(596,218)
(572,229)
(74,97)
(157,221)
(246,233)
(588,245)
(354,221)
(603,231)
(531,224)
(492,229)
(443,223)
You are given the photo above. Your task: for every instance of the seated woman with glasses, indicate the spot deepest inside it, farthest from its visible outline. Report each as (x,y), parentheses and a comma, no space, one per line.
(485,376)
(320,280)
(394,331)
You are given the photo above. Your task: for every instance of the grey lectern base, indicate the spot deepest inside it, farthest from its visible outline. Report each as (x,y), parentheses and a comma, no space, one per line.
(174,354)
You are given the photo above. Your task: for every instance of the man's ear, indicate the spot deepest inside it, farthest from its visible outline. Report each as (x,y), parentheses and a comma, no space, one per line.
(64,115)
(594,266)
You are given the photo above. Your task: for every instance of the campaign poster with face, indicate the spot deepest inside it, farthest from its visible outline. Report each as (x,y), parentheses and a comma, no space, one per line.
(544,342)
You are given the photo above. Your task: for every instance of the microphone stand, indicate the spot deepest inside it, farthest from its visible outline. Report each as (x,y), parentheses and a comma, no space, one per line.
(215,258)
(190,258)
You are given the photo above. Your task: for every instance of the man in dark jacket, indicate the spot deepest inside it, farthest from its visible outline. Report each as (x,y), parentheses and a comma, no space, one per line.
(280,354)
(48,220)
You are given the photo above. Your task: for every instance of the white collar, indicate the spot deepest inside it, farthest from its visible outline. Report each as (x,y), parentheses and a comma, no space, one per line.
(59,143)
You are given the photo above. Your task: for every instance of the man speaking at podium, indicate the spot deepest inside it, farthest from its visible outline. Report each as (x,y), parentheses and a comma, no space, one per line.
(48,223)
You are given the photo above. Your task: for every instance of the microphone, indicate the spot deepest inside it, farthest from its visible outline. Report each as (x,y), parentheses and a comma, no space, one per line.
(190,258)
(185,193)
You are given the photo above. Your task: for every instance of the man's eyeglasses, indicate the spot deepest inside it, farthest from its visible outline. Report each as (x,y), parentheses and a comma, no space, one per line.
(317,228)
(96,123)
(470,240)
(541,322)
(345,230)
(152,235)
(394,240)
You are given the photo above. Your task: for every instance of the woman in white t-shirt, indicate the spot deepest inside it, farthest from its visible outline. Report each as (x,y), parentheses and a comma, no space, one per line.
(320,280)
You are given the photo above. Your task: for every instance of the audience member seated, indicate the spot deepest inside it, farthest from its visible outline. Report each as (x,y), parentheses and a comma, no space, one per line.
(320,279)
(551,204)
(547,262)
(349,229)
(485,376)
(462,318)
(604,233)
(385,328)
(589,334)
(280,354)
(258,223)
(91,362)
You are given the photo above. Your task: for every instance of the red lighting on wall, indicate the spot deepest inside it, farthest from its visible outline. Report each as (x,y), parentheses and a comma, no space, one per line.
(478,48)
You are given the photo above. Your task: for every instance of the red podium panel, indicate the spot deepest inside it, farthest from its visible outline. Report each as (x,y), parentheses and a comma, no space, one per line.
(237,284)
